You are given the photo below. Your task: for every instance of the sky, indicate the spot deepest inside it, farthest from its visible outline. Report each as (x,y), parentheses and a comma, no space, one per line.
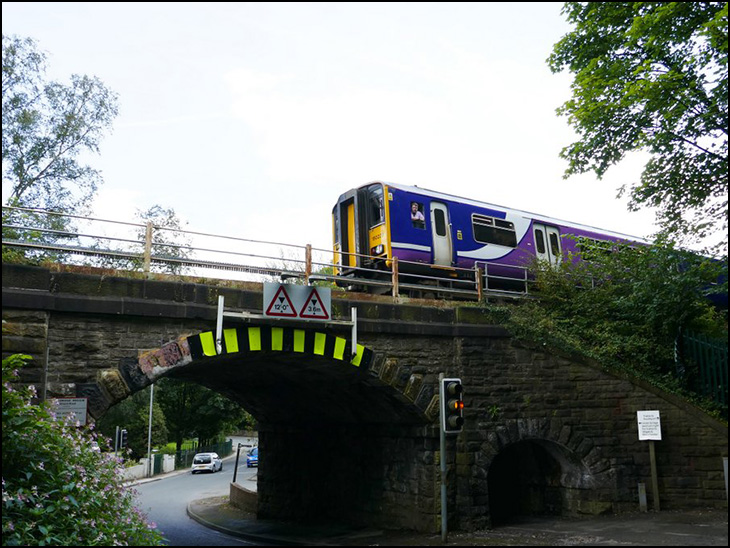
(250,119)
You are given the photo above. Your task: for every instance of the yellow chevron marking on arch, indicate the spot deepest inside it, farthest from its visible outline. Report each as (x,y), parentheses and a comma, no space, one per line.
(320,339)
(299,336)
(231,340)
(358,355)
(339,348)
(208,343)
(254,338)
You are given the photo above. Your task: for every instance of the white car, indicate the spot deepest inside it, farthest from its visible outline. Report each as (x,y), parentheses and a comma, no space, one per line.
(210,462)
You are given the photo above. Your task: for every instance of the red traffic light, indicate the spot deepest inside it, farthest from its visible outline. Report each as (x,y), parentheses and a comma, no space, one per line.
(452,406)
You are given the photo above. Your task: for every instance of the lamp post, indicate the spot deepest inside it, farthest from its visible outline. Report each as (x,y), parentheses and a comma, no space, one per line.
(149,433)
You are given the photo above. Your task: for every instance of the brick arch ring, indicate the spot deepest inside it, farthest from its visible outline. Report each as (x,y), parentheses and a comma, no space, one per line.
(114,385)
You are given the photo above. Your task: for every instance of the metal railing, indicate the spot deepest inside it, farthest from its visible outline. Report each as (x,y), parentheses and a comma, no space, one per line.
(146,248)
(704,366)
(184,457)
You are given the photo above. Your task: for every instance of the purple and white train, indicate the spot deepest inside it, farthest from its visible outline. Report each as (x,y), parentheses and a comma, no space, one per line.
(443,235)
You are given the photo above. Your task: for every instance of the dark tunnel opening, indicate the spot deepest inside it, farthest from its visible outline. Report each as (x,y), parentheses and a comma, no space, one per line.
(336,443)
(524,480)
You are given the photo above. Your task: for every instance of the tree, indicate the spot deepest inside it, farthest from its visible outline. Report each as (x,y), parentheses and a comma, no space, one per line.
(57,489)
(169,241)
(47,125)
(192,410)
(652,76)
(133,415)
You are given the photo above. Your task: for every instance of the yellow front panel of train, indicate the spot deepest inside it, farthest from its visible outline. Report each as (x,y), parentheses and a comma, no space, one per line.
(351,258)
(379,240)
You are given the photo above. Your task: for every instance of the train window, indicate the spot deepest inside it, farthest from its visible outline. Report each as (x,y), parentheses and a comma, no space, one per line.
(554,244)
(417,217)
(540,241)
(592,249)
(375,201)
(490,230)
(439,221)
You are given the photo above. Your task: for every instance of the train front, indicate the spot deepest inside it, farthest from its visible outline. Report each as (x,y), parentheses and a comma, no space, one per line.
(360,231)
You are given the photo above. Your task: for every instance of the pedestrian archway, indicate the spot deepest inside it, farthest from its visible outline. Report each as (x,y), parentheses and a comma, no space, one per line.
(531,478)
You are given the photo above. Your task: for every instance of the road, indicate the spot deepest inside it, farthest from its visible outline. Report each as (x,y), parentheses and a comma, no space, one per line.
(165,502)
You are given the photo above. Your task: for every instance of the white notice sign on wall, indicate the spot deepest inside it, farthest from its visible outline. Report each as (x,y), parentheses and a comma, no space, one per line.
(73,408)
(650,426)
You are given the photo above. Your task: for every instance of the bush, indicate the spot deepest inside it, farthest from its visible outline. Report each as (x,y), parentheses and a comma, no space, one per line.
(625,308)
(57,488)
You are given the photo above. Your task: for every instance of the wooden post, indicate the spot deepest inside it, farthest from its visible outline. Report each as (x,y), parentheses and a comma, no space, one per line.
(654,480)
(147,247)
(480,283)
(396,291)
(307,263)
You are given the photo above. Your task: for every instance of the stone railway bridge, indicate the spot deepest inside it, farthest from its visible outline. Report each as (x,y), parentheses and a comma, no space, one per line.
(357,440)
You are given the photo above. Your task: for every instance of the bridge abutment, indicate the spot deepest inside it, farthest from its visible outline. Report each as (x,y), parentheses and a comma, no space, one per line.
(360,475)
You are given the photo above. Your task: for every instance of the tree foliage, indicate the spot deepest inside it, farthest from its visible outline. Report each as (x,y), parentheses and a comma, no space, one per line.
(47,126)
(181,410)
(168,243)
(57,490)
(653,76)
(132,414)
(195,411)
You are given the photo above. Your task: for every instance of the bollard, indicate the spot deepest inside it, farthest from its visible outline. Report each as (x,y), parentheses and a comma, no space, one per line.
(642,497)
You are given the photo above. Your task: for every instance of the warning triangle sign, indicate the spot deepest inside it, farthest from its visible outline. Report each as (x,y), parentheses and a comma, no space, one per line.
(281,305)
(313,307)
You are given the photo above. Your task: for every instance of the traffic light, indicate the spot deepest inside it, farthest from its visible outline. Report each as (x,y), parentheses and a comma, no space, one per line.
(452,405)
(123,438)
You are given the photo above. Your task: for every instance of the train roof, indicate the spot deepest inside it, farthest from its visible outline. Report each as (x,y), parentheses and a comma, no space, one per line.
(534,216)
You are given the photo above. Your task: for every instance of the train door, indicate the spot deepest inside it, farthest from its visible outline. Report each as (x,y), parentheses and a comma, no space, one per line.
(441,233)
(345,229)
(547,243)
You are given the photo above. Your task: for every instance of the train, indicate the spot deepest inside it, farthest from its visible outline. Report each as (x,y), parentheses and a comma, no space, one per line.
(441,237)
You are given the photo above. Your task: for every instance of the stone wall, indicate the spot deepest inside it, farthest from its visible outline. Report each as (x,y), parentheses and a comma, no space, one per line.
(545,432)
(357,474)
(567,421)
(26,332)
(242,498)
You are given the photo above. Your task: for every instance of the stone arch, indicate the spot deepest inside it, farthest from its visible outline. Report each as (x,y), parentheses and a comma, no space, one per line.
(544,467)
(412,401)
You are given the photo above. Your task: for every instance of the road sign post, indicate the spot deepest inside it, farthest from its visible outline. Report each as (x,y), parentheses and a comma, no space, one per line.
(650,429)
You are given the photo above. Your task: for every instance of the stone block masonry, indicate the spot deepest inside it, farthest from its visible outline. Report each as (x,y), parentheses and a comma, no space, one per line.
(546,433)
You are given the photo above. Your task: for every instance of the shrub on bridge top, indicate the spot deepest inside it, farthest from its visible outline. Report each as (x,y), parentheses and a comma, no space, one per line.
(625,308)
(57,488)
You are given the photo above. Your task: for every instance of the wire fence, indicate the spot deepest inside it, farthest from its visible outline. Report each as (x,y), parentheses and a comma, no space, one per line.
(144,247)
(184,457)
